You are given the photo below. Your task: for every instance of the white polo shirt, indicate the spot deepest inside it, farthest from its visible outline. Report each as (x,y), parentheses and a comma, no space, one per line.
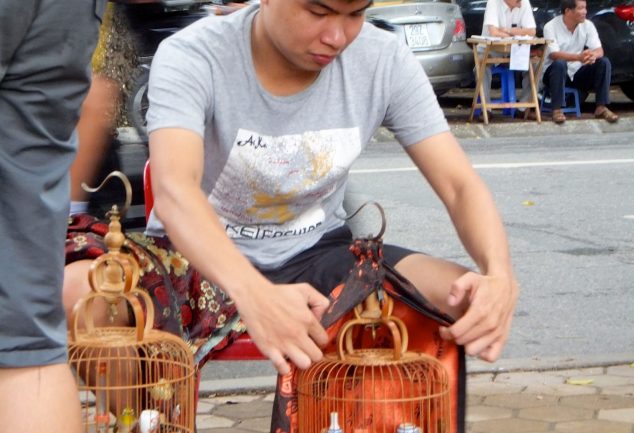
(499,14)
(584,35)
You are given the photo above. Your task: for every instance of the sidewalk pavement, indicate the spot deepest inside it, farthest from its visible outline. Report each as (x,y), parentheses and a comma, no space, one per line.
(588,394)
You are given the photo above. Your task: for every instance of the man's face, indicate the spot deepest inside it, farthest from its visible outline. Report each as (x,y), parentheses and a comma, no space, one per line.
(579,12)
(309,34)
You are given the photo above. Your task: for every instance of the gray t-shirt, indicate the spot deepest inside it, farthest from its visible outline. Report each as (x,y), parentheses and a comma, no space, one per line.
(276,168)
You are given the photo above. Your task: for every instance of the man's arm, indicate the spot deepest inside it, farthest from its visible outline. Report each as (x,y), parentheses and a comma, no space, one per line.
(282,320)
(485,326)
(521,31)
(512,31)
(586,56)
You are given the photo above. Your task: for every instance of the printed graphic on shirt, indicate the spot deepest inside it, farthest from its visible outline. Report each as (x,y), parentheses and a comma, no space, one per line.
(277,186)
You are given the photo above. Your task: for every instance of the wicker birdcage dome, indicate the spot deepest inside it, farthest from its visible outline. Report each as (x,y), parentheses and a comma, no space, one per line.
(129,378)
(375,390)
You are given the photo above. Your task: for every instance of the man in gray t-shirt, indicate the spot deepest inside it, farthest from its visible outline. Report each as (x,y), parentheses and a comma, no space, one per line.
(255,120)
(45,51)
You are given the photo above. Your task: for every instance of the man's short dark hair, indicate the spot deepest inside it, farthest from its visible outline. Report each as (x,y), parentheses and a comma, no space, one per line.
(568,4)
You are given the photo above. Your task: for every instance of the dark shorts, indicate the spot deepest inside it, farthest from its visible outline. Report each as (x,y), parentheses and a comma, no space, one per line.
(328,262)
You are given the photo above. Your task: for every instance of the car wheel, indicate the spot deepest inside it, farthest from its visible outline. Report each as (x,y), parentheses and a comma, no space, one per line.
(628,89)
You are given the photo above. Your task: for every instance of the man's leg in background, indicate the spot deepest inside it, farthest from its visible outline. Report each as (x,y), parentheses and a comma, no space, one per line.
(555,80)
(595,77)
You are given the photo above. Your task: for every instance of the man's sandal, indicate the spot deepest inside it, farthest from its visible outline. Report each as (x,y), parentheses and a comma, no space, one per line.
(606,114)
(558,117)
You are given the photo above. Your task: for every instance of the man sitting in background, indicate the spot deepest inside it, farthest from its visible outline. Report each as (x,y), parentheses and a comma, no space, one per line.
(505,19)
(575,59)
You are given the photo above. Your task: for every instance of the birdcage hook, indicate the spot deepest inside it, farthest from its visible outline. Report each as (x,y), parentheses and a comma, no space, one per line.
(383,220)
(126,184)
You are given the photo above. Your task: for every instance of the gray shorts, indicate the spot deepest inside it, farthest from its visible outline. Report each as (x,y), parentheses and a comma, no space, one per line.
(328,263)
(45,54)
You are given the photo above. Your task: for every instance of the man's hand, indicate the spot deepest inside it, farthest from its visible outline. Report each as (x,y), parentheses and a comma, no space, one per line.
(283,322)
(588,57)
(485,326)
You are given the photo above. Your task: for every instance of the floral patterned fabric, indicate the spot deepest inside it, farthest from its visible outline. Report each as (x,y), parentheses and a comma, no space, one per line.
(184,303)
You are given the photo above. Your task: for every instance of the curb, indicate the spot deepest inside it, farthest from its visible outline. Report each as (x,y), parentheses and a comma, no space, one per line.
(464,130)
(267,384)
(537,364)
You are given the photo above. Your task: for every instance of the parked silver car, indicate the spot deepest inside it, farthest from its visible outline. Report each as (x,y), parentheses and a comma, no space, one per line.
(435,31)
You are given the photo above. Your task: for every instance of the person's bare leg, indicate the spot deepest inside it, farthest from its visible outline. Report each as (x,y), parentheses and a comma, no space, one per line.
(39,400)
(433,278)
(95,130)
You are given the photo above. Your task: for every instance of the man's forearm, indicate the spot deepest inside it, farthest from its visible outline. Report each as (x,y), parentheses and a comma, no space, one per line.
(481,230)
(598,52)
(499,32)
(503,32)
(568,57)
(519,31)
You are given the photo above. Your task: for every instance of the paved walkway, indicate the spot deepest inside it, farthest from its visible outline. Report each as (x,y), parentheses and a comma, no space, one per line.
(581,400)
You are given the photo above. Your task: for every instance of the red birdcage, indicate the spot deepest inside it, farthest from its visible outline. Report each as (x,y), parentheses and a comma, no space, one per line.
(375,390)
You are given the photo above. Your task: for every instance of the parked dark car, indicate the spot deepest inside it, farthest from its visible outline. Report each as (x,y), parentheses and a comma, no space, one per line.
(614,20)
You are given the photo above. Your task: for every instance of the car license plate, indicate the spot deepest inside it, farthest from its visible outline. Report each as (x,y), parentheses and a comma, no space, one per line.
(417,35)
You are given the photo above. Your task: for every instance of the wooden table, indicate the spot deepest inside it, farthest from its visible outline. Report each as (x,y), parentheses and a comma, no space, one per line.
(486,57)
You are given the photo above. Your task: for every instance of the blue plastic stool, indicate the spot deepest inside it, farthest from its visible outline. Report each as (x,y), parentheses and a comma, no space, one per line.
(545,107)
(507,88)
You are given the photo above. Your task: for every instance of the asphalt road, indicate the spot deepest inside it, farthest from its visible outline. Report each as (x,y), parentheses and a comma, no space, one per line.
(568,206)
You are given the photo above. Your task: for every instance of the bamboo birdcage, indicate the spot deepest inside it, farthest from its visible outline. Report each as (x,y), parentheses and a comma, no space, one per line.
(130,379)
(374,390)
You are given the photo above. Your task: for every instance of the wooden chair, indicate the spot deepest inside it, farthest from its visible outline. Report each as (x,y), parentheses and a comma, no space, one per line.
(243,348)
